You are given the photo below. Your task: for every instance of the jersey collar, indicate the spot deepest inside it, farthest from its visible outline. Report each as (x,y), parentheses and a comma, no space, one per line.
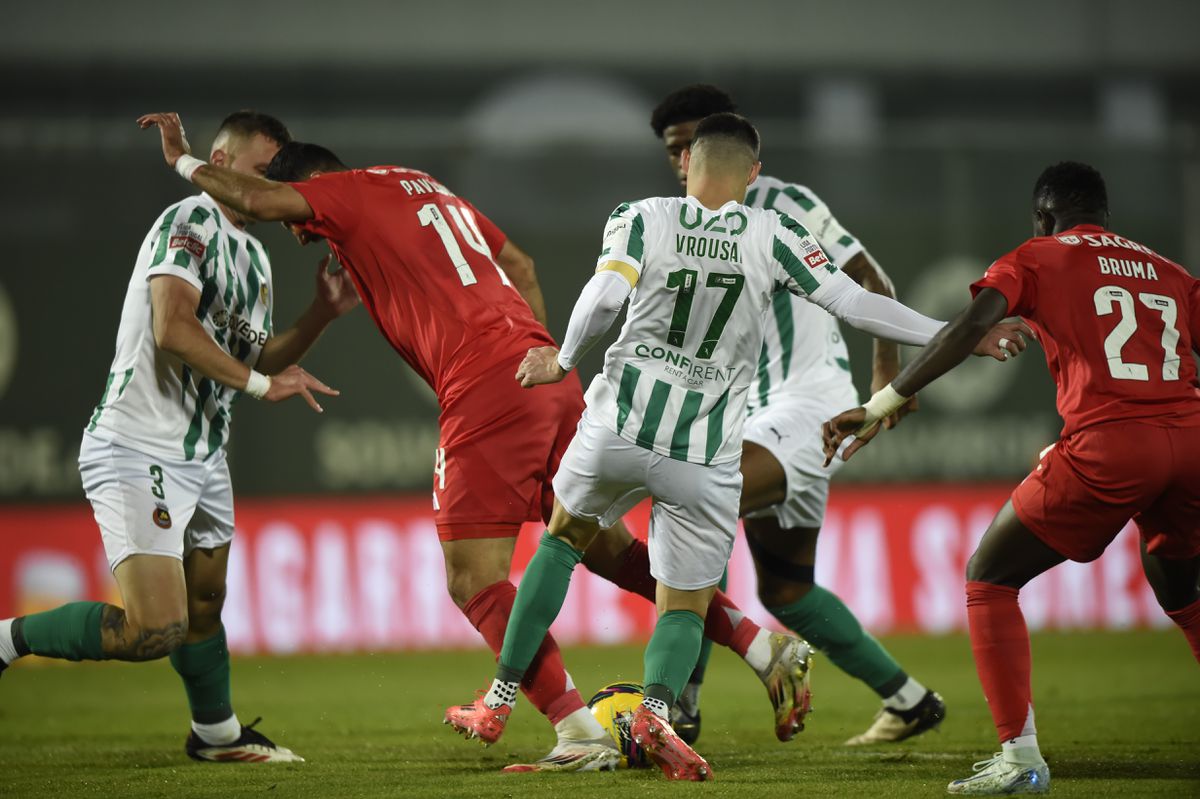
(698,204)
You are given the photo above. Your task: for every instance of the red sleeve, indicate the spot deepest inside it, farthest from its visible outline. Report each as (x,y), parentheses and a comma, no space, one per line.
(334,199)
(1194,315)
(493,235)
(1011,275)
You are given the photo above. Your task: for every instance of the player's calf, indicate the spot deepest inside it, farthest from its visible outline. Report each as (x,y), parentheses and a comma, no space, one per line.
(89,631)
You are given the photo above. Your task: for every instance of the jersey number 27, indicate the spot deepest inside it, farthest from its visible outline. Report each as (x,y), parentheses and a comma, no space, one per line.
(1108,296)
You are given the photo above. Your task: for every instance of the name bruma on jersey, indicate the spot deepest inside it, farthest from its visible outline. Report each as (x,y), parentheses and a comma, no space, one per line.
(1125,268)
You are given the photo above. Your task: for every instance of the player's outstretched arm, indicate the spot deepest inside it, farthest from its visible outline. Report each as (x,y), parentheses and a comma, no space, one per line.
(177,330)
(251,195)
(866,272)
(950,347)
(335,296)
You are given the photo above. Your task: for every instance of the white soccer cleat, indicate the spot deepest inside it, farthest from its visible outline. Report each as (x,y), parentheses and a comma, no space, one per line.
(998,777)
(891,725)
(599,755)
(251,747)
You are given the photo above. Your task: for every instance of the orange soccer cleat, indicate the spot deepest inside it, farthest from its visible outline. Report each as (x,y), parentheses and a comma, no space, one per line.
(677,760)
(477,720)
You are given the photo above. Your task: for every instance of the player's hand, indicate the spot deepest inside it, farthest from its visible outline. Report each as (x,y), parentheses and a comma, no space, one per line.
(881,378)
(846,424)
(336,294)
(540,367)
(294,380)
(174,142)
(1004,340)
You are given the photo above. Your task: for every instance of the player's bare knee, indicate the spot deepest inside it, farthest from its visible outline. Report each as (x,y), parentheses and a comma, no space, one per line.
(204,612)
(778,593)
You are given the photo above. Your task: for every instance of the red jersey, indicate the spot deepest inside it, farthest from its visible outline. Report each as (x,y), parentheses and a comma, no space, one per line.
(1117,320)
(423,261)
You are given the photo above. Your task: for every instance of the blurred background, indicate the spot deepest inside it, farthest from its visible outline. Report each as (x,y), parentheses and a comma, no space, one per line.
(923,125)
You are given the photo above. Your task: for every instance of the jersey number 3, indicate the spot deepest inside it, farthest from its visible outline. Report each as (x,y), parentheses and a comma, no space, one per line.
(1108,296)
(464,220)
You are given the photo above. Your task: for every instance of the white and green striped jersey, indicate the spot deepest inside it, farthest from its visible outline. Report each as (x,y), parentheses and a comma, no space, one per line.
(803,351)
(152,401)
(677,378)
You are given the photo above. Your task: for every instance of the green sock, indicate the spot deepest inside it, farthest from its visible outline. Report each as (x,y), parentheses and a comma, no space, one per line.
(539,599)
(706,645)
(70,632)
(829,625)
(204,667)
(671,652)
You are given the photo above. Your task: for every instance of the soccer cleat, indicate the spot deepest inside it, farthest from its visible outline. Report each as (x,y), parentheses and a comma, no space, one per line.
(250,747)
(677,760)
(893,725)
(685,714)
(477,720)
(998,777)
(787,680)
(598,755)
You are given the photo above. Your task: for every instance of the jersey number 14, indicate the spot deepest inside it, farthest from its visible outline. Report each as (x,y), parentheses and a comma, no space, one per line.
(464,220)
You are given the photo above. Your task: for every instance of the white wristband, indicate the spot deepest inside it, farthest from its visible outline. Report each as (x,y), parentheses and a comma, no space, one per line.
(882,404)
(258,384)
(186,165)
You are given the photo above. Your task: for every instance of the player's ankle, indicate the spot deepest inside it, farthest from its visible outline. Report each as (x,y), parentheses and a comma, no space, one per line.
(580,727)
(502,692)
(1023,751)
(10,650)
(220,733)
(907,697)
(758,653)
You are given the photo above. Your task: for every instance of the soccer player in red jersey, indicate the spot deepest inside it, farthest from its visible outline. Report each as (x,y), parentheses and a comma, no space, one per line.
(1119,324)
(438,279)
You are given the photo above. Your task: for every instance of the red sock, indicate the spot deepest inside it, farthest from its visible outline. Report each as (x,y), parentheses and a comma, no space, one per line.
(725,624)
(546,683)
(1001,646)
(1188,619)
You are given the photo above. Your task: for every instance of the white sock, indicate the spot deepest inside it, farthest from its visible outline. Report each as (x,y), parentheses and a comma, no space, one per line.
(221,733)
(580,726)
(657,707)
(8,650)
(758,656)
(1023,751)
(908,697)
(502,693)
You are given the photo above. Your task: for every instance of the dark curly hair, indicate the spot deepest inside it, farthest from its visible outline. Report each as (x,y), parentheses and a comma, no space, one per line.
(297,160)
(690,103)
(1070,185)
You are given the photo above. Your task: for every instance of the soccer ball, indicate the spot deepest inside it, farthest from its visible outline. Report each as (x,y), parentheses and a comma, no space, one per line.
(613,707)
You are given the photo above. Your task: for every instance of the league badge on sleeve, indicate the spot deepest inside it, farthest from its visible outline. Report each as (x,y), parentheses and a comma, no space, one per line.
(187,237)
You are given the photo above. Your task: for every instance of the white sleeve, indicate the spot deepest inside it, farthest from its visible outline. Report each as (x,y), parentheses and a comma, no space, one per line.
(596,309)
(880,316)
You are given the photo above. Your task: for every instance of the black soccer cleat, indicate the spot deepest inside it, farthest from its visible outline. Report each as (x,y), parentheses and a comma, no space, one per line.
(250,747)
(891,725)
(686,722)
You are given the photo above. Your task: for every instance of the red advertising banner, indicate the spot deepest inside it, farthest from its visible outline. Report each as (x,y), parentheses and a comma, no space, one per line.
(354,574)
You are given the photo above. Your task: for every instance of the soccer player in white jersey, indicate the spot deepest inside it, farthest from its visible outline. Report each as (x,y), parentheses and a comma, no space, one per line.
(665,418)
(196,332)
(802,376)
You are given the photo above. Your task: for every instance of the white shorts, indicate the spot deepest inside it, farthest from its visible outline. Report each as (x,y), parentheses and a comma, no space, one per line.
(148,505)
(693,519)
(790,429)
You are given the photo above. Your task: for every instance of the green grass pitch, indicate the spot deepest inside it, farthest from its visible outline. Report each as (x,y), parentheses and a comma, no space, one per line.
(1118,714)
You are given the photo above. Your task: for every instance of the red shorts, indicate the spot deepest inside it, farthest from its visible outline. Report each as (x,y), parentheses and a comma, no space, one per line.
(500,447)
(1090,484)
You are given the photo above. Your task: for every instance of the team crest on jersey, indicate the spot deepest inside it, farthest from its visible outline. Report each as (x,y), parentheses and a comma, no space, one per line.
(263,293)
(220,319)
(1072,240)
(162,516)
(187,237)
